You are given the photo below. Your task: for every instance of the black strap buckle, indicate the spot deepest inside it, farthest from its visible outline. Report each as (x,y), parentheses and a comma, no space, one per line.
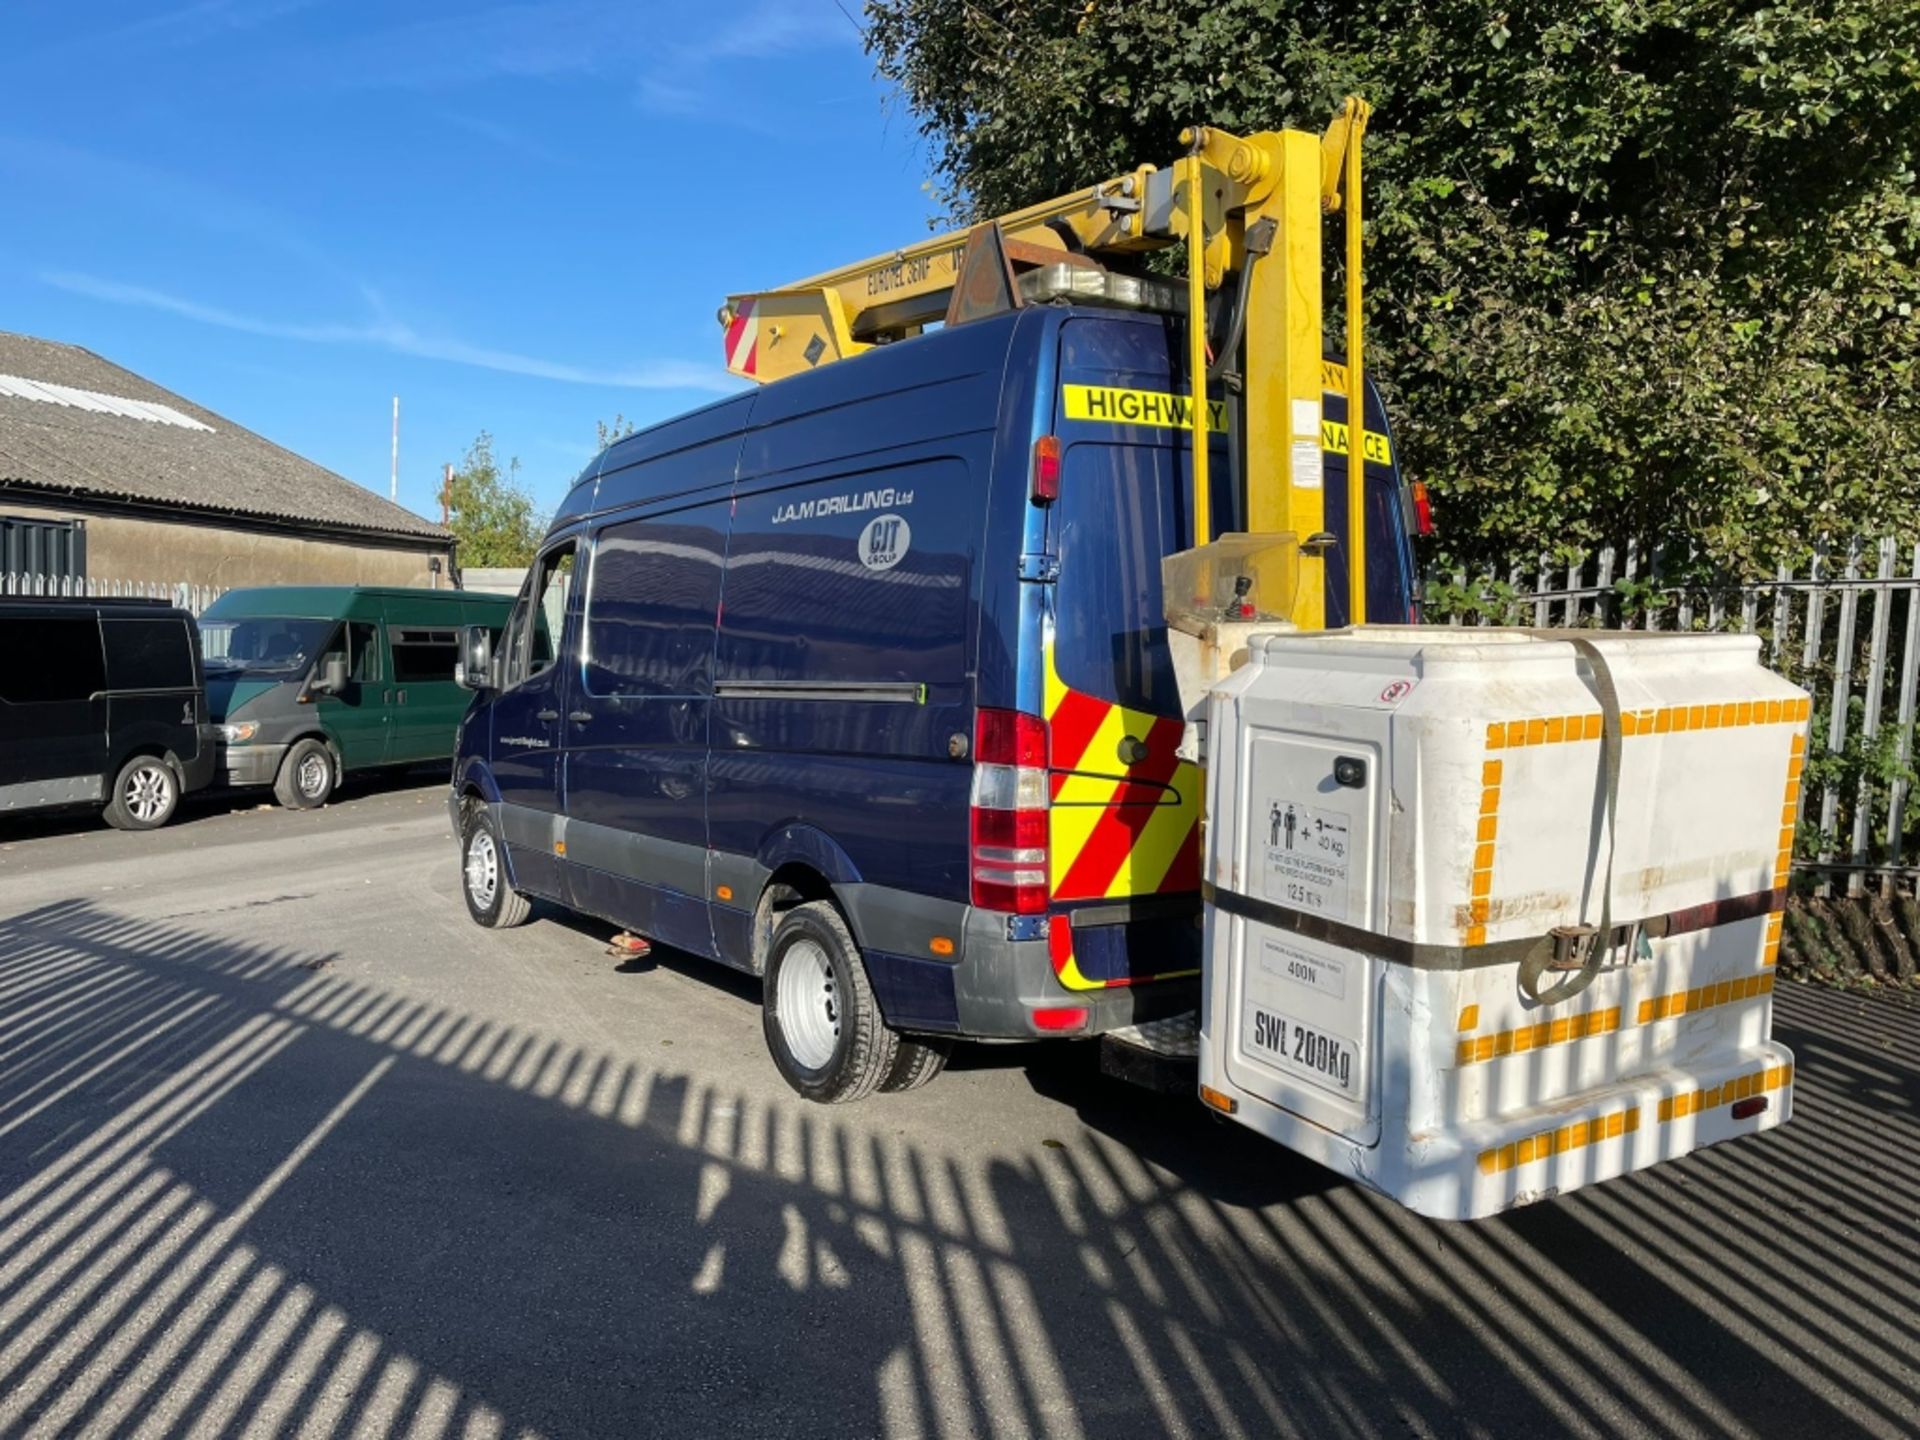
(1573,947)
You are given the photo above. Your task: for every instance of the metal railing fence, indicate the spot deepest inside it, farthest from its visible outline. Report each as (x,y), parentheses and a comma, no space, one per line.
(1847,630)
(192,598)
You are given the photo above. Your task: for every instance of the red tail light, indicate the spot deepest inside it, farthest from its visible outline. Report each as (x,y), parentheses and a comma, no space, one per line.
(1010,860)
(1060,1017)
(1046,469)
(1422,509)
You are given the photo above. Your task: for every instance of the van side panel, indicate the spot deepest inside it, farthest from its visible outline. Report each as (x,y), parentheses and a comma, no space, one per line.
(638,709)
(53,716)
(154,699)
(849,620)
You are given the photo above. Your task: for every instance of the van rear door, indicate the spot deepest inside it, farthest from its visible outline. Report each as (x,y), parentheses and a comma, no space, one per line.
(1124,827)
(1392,597)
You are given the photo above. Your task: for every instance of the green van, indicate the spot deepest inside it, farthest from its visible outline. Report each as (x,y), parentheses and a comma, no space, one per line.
(307,684)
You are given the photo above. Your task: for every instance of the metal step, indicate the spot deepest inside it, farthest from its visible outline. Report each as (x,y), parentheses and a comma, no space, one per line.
(1177,1037)
(1160,1055)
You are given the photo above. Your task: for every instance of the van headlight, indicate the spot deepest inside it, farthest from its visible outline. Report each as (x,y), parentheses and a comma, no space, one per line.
(236,734)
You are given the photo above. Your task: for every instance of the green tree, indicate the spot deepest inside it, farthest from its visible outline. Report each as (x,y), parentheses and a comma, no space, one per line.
(617,428)
(1634,266)
(490,513)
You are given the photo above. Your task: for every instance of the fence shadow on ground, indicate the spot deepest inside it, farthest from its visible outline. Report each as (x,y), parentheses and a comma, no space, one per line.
(241,1195)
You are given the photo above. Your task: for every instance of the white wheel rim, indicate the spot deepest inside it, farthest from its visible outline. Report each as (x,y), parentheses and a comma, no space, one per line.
(314,775)
(148,793)
(483,870)
(809,1004)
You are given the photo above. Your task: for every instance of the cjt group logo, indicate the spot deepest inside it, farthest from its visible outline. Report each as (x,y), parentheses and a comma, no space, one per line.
(883,544)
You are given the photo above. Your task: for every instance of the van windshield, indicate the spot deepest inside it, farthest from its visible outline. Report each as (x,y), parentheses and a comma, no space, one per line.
(276,645)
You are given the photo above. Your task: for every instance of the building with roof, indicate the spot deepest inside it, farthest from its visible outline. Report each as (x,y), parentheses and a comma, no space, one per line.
(108,477)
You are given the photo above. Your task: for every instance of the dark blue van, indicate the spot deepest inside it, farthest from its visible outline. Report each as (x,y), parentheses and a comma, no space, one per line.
(811,683)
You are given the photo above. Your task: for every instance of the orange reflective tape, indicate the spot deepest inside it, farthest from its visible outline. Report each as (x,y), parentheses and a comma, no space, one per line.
(1525,1038)
(1575,1135)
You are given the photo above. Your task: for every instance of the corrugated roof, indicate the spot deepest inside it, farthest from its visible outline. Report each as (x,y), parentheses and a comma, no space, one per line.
(107,451)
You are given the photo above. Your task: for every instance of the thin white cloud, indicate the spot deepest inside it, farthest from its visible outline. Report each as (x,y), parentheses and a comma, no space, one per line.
(679,80)
(393,335)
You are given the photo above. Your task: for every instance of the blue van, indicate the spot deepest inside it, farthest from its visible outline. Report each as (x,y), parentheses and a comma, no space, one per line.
(811,682)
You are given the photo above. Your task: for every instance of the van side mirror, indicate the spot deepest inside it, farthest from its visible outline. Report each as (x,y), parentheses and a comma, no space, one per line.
(476,658)
(332,679)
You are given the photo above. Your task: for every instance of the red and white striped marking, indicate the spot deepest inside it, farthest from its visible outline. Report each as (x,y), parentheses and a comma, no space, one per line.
(742,338)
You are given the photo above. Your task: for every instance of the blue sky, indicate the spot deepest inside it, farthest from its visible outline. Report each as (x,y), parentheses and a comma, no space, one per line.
(517,217)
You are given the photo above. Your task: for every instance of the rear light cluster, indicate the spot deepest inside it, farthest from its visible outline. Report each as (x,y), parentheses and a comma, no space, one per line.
(1422,509)
(1046,470)
(1009,815)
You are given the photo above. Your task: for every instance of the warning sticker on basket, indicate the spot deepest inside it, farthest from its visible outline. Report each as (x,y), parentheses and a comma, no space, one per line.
(1299,966)
(1308,854)
(1309,1051)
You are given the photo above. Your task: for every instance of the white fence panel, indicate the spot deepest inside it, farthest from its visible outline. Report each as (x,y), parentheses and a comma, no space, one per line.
(191,598)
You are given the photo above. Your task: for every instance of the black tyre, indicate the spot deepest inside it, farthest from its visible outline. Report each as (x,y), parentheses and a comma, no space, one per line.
(491,900)
(145,794)
(916,1060)
(305,781)
(822,1022)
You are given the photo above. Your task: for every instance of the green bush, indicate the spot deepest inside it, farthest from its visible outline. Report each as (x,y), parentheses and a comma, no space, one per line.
(1642,268)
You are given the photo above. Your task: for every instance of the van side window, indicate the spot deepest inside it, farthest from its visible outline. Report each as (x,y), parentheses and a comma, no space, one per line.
(52,660)
(535,637)
(147,654)
(355,640)
(422,654)
(1121,509)
(652,598)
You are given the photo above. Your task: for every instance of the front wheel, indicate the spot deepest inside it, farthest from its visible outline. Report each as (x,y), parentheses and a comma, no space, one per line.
(145,795)
(491,901)
(822,1022)
(305,780)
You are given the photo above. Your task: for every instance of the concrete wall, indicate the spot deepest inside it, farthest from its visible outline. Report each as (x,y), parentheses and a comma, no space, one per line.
(505,581)
(196,552)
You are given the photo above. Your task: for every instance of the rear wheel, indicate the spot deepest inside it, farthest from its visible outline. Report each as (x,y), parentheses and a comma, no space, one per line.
(915,1062)
(145,795)
(305,780)
(491,900)
(822,1022)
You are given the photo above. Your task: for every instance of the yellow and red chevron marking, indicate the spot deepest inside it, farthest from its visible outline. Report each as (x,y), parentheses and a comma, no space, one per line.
(743,338)
(1133,831)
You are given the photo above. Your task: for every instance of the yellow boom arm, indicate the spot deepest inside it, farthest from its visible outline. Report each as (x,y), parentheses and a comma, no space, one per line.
(1259,201)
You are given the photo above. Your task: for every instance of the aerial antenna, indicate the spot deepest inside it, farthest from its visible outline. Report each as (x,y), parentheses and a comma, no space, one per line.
(393,479)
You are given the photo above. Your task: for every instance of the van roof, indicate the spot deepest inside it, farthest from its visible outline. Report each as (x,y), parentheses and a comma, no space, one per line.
(138,603)
(330,602)
(898,367)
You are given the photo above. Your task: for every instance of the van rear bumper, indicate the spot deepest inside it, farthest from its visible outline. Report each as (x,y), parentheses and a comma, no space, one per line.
(1000,983)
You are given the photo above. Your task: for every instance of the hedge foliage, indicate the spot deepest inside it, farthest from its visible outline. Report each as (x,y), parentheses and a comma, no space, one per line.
(1633,267)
